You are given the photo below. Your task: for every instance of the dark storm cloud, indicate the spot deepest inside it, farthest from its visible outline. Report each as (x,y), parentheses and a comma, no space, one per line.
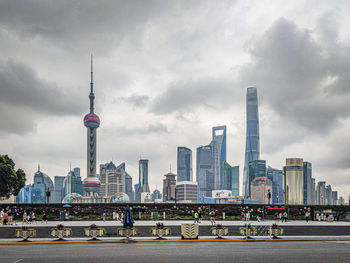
(99,25)
(21,87)
(208,92)
(298,77)
(24,97)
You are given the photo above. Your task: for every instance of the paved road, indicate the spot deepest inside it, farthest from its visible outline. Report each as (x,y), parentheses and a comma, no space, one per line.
(180,252)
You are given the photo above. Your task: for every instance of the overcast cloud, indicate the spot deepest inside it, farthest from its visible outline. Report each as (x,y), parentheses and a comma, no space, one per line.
(166,72)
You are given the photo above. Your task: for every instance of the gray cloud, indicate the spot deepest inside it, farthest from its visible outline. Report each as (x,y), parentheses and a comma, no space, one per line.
(291,70)
(136,100)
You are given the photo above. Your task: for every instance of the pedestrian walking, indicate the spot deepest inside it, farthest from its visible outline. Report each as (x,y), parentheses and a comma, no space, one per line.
(5,218)
(196,217)
(285,216)
(104,217)
(44,218)
(24,220)
(280,217)
(307,215)
(32,217)
(200,216)
(212,218)
(2,216)
(117,217)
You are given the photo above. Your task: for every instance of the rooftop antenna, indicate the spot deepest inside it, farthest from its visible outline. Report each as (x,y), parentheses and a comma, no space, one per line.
(70,165)
(38,167)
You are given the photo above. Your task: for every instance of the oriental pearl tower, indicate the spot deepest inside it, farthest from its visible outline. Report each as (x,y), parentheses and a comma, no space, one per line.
(91,183)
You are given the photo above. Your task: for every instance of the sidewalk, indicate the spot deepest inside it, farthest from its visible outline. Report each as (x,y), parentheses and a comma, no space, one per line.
(179,222)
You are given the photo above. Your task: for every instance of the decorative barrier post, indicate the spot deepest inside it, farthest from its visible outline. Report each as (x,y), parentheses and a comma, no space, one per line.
(189,231)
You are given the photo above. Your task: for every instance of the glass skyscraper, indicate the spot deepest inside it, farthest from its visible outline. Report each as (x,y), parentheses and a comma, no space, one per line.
(205,171)
(231,178)
(184,164)
(307,176)
(256,168)
(276,177)
(252,148)
(73,183)
(219,154)
(293,181)
(143,186)
(58,195)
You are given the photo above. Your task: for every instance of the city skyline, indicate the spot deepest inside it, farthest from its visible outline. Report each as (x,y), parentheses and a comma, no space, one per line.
(151,92)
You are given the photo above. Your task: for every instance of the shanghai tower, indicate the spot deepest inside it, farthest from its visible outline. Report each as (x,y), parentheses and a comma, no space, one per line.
(91,183)
(252,147)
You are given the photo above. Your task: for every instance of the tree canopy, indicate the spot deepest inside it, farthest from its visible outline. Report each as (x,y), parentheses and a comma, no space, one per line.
(11,181)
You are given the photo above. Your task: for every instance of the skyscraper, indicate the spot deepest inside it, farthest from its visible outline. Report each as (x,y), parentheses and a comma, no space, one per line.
(329,196)
(169,184)
(335,197)
(252,147)
(143,186)
(91,121)
(256,168)
(58,193)
(231,178)
(43,188)
(184,164)
(307,178)
(218,144)
(293,181)
(276,177)
(321,193)
(313,190)
(205,171)
(112,180)
(72,183)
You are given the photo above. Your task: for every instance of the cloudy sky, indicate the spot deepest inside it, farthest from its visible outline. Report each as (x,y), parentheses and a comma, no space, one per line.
(166,72)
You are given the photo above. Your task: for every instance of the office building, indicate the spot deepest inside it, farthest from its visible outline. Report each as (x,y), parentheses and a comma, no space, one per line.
(293,181)
(112,180)
(184,164)
(43,188)
(143,186)
(260,187)
(91,183)
(230,178)
(335,197)
(169,184)
(72,183)
(321,193)
(25,195)
(276,177)
(218,144)
(256,168)
(128,187)
(205,171)
(156,195)
(186,192)
(329,197)
(307,180)
(252,147)
(313,191)
(58,192)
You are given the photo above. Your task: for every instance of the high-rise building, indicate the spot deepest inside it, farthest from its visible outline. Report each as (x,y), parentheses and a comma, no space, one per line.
(112,180)
(184,164)
(276,177)
(256,168)
(321,193)
(293,181)
(43,188)
(91,121)
(307,180)
(169,184)
(218,144)
(72,183)
(156,195)
(329,197)
(25,195)
(205,171)
(341,201)
(313,191)
(143,186)
(230,178)
(128,187)
(260,187)
(252,147)
(58,193)
(335,197)
(186,192)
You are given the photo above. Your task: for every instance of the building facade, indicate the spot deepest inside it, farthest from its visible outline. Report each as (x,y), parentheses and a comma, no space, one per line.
(112,180)
(205,171)
(335,197)
(169,185)
(230,178)
(321,193)
(184,164)
(42,189)
(276,177)
(58,192)
(186,192)
(252,147)
(25,195)
(260,187)
(256,168)
(218,144)
(307,180)
(293,181)
(143,186)
(313,191)
(156,195)
(329,196)
(73,183)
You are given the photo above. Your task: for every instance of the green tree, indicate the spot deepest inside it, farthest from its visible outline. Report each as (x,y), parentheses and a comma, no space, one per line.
(11,181)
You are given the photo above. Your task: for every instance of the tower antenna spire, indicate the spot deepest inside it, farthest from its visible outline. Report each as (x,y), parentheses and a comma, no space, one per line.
(92,75)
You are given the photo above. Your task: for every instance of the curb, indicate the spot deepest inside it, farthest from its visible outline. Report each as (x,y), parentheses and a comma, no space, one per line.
(170,241)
